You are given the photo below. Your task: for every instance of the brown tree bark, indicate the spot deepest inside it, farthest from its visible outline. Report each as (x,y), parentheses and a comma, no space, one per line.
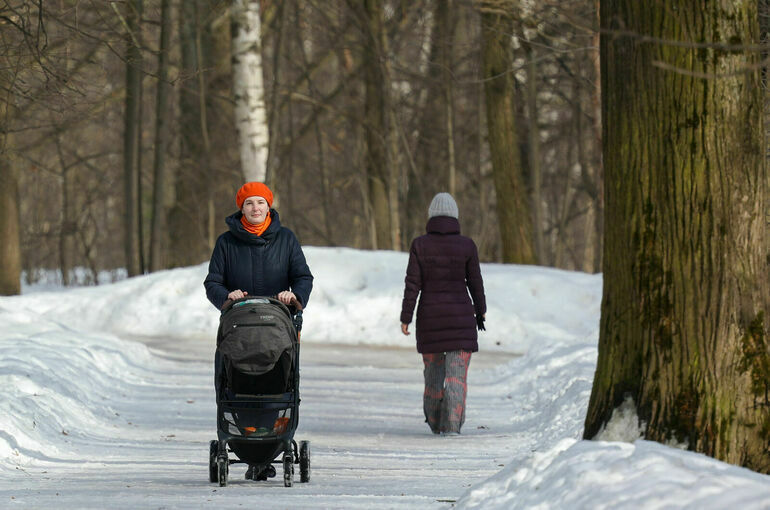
(513,209)
(68,227)
(376,114)
(10,244)
(535,172)
(596,104)
(683,328)
(131,138)
(157,233)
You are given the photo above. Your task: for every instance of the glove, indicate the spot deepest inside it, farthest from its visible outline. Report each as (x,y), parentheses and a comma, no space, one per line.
(480,322)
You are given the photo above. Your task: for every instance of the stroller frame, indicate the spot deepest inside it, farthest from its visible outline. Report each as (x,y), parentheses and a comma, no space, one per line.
(282,441)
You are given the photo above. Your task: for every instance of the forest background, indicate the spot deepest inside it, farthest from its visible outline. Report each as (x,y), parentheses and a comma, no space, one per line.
(120,147)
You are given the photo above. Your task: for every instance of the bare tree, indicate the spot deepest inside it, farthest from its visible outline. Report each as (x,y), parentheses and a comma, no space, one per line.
(208,173)
(513,208)
(413,102)
(132,138)
(157,235)
(22,45)
(377,124)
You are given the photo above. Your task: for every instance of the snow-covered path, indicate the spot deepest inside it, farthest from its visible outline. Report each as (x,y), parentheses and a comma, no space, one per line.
(361,411)
(89,420)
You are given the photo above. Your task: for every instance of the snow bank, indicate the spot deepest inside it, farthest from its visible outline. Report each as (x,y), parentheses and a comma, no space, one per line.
(544,393)
(55,383)
(602,475)
(356,299)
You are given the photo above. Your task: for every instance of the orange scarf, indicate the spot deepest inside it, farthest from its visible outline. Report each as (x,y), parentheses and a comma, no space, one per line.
(256,229)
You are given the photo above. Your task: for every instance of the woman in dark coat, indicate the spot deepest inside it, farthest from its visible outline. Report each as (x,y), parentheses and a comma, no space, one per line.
(443,267)
(256,257)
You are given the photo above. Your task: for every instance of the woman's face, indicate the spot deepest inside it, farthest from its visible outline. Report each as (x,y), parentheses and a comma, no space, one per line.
(255,210)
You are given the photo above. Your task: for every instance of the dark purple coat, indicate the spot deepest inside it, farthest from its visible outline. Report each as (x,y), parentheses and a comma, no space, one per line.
(443,267)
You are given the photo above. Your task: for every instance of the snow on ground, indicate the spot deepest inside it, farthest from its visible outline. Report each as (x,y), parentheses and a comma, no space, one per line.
(356,299)
(92,418)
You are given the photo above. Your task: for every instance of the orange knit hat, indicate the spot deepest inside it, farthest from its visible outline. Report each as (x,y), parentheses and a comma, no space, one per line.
(253,189)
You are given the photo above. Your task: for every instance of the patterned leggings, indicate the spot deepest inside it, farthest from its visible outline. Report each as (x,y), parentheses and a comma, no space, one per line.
(445,389)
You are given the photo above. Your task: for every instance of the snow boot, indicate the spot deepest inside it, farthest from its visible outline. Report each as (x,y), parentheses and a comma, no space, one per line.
(267,472)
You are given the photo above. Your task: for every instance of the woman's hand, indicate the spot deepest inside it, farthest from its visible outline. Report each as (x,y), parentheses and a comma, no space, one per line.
(236,294)
(286,297)
(405,329)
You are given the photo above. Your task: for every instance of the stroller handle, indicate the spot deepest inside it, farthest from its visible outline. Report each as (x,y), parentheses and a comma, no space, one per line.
(294,306)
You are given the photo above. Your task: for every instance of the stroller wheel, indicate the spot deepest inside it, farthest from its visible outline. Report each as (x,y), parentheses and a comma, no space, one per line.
(213,461)
(222,468)
(288,469)
(223,463)
(304,461)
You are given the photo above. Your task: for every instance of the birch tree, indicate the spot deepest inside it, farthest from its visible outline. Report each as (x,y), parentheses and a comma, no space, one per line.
(249,89)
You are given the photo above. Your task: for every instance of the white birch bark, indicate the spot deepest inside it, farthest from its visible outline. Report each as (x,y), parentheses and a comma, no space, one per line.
(249,89)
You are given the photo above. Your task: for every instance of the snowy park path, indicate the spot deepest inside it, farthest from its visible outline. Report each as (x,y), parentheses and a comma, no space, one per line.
(361,412)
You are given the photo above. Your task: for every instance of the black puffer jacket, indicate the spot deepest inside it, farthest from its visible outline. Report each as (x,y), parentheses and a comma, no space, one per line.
(259,265)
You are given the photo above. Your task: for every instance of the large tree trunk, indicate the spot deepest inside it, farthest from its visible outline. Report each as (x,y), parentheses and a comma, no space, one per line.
(131,138)
(249,89)
(157,229)
(685,263)
(513,209)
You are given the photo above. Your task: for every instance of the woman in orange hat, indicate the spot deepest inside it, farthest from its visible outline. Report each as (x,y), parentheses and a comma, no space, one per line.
(257,256)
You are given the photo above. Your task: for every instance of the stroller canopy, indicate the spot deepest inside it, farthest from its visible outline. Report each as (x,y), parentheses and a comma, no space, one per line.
(256,334)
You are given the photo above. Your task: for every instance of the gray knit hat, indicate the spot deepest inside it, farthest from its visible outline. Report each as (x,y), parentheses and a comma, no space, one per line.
(443,205)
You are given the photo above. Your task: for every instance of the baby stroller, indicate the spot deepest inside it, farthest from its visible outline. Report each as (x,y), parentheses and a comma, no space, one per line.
(258,391)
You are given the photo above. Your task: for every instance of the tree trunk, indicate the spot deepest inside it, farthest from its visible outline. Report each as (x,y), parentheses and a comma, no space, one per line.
(325,200)
(68,226)
(10,243)
(376,120)
(682,327)
(249,89)
(191,220)
(274,111)
(131,134)
(161,141)
(534,153)
(513,209)
(596,98)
